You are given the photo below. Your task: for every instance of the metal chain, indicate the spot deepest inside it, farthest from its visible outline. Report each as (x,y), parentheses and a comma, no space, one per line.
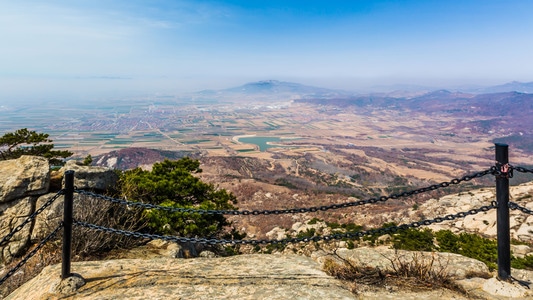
(523,170)
(492,170)
(30,218)
(30,254)
(337,236)
(515,206)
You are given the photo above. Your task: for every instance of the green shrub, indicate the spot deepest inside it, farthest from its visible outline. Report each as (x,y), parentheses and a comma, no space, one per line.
(87,160)
(310,232)
(350,244)
(373,237)
(313,221)
(477,247)
(522,263)
(333,225)
(413,240)
(447,241)
(469,245)
(274,247)
(352,227)
(172,184)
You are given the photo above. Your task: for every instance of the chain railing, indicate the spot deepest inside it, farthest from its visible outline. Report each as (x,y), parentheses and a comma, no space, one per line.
(30,218)
(522,170)
(455,181)
(515,206)
(18,228)
(337,236)
(30,254)
(502,172)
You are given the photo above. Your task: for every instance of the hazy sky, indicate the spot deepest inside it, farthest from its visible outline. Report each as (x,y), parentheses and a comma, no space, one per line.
(65,48)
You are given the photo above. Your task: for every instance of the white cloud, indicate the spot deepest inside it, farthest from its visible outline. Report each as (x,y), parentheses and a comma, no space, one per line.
(64,38)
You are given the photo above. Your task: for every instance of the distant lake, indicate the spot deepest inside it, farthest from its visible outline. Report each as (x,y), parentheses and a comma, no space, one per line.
(260,141)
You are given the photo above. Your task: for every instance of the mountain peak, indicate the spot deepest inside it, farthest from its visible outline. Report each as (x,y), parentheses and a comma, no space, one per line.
(270,81)
(272,86)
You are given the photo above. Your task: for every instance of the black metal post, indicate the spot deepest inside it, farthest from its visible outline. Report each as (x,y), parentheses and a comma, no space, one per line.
(502,196)
(67,224)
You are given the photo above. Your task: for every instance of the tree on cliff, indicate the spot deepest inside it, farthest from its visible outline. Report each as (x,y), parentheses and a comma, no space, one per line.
(172,184)
(26,142)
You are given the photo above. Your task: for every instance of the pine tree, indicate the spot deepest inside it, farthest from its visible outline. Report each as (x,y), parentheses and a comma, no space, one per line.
(172,184)
(25,142)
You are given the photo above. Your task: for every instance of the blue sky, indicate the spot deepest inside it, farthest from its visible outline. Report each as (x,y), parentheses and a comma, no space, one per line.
(106,48)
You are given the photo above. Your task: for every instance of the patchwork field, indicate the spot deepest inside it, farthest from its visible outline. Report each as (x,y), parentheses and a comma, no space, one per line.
(427,146)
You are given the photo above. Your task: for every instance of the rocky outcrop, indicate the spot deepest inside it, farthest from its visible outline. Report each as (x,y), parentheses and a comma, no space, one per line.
(22,181)
(470,275)
(25,187)
(242,277)
(49,219)
(262,276)
(26,176)
(14,213)
(90,177)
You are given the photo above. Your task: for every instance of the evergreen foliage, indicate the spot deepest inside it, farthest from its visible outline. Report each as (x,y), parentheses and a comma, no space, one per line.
(173,184)
(525,262)
(87,161)
(448,242)
(28,142)
(469,245)
(413,240)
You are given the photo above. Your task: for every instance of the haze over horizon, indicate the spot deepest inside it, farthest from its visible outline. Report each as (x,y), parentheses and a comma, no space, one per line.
(85,49)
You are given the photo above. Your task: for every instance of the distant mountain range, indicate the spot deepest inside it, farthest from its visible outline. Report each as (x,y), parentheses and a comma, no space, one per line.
(275,88)
(510,103)
(514,86)
(491,104)
(484,113)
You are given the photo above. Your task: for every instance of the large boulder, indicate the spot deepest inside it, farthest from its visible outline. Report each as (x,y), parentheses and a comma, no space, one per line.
(22,177)
(50,218)
(14,214)
(91,177)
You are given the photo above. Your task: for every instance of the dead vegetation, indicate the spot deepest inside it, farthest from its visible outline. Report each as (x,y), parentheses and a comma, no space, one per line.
(413,273)
(48,255)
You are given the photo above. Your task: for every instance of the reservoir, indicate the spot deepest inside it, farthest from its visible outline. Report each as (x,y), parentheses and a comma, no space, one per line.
(261,141)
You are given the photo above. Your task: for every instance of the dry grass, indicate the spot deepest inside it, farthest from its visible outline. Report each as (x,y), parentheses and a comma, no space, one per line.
(353,274)
(411,274)
(48,255)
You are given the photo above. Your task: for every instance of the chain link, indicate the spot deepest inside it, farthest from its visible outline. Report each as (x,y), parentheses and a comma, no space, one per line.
(30,254)
(523,170)
(492,170)
(30,218)
(338,236)
(515,206)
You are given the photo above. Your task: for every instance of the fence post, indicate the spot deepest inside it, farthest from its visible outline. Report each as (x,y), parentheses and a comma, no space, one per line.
(502,219)
(67,224)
